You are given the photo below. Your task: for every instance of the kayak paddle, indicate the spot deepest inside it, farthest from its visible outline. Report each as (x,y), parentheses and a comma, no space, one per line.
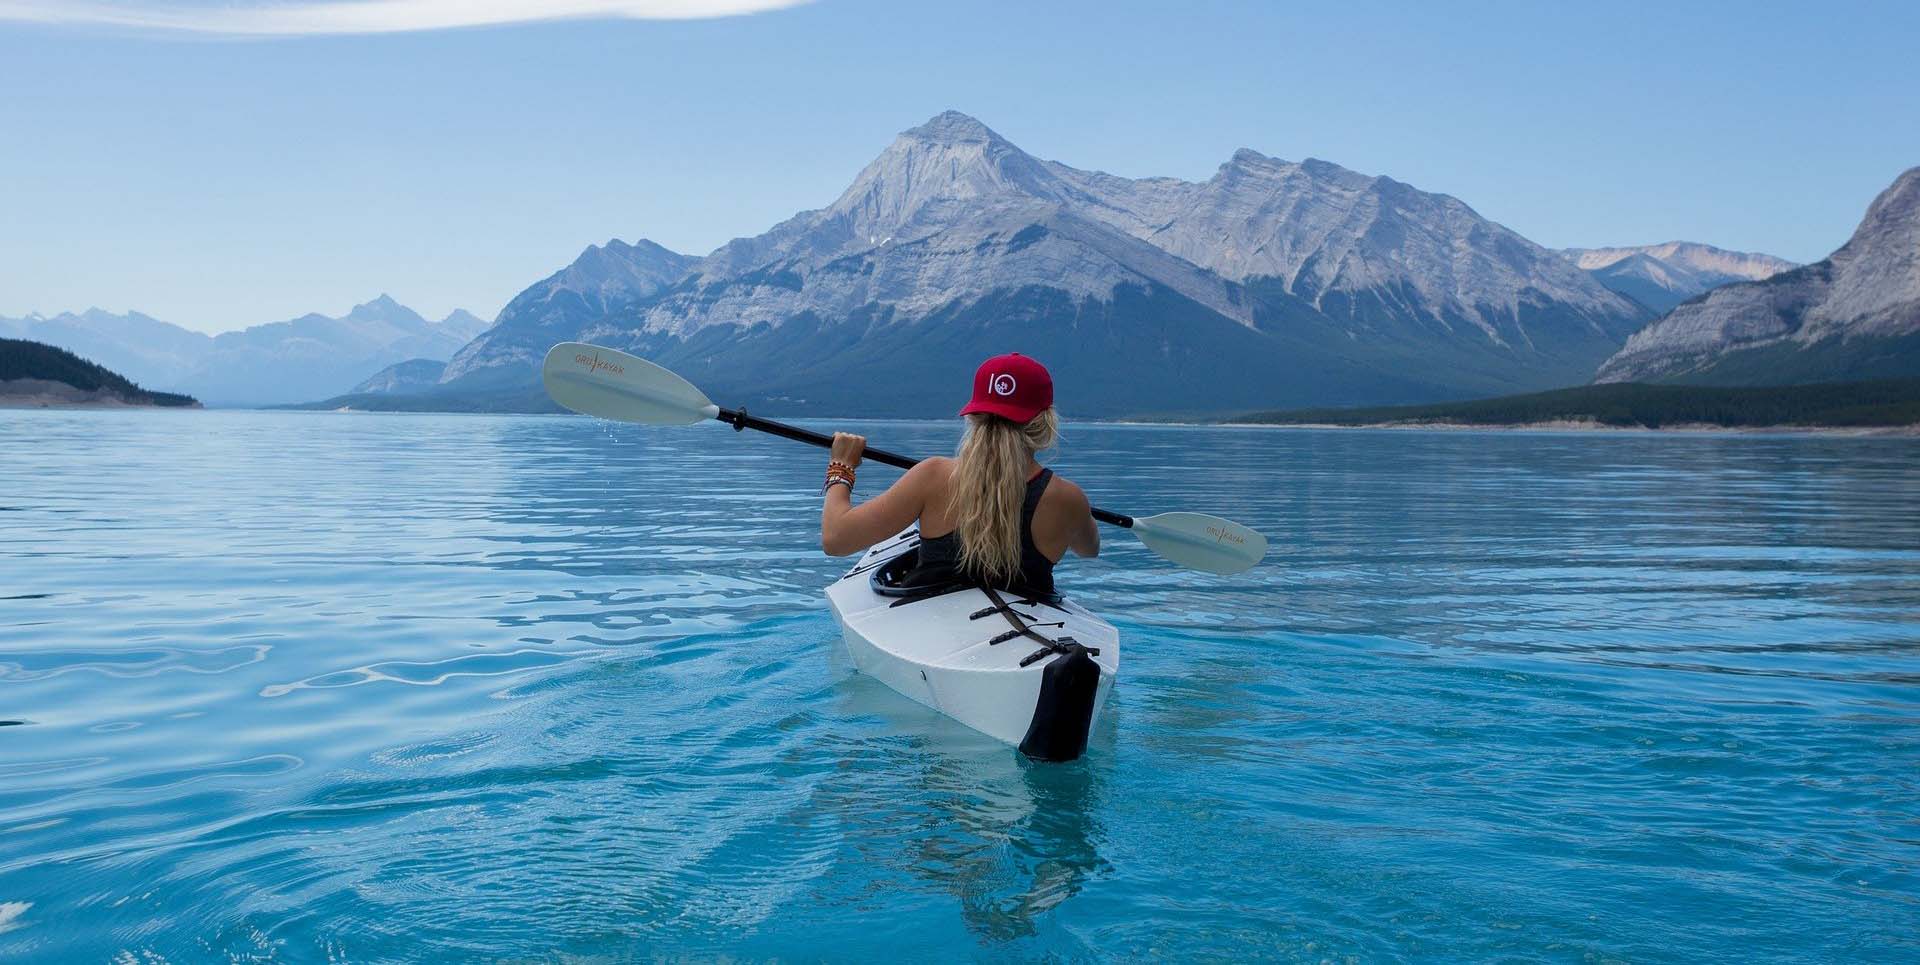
(611,384)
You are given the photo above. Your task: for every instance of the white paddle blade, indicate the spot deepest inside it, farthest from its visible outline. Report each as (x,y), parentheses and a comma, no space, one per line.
(1202,542)
(611,384)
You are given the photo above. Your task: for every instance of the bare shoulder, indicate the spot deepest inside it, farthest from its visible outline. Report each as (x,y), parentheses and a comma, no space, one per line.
(929,475)
(1065,493)
(932,467)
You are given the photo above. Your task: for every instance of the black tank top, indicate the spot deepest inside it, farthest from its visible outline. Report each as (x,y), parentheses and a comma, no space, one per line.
(940,556)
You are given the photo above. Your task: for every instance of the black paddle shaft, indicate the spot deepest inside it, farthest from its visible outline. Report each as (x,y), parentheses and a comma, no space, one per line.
(740,420)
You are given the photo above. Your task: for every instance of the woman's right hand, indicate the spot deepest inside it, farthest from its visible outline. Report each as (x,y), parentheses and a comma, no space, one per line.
(847,448)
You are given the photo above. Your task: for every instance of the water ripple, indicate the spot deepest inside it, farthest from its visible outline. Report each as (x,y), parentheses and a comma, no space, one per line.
(302,686)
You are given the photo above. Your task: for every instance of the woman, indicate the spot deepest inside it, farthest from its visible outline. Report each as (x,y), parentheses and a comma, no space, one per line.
(990,513)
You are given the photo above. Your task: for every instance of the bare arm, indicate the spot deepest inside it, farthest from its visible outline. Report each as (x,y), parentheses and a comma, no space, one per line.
(1083,534)
(846,529)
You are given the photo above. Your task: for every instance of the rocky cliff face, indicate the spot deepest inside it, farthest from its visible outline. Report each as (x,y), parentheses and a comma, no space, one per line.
(1271,283)
(604,279)
(1662,276)
(402,378)
(1855,314)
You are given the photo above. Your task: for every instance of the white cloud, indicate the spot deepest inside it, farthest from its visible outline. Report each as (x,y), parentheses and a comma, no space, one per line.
(256,19)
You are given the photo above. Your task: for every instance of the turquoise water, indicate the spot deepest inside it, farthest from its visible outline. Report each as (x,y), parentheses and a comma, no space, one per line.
(312,686)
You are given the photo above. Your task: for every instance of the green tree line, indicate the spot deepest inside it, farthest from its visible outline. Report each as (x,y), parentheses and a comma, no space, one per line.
(23,359)
(1883,402)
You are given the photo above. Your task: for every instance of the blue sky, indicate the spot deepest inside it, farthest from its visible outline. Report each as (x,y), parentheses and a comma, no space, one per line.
(219,181)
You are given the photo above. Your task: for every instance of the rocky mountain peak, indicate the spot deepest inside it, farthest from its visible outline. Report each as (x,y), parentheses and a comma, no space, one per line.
(1247,157)
(1834,320)
(1876,274)
(1664,275)
(617,252)
(95,313)
(463,325)
(951,158)
(1905,189)
(1894,215)
(603,279)
(953,127)
(1250,174)
(1685,256)
(386,309)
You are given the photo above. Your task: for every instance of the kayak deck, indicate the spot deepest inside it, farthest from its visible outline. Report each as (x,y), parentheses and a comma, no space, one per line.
(956,652)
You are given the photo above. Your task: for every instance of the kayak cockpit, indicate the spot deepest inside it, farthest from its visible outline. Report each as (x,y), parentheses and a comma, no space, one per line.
(895,578)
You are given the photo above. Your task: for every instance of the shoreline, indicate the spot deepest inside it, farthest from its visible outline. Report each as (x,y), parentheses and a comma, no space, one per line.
(50,402)
(1908,431)
(35,393)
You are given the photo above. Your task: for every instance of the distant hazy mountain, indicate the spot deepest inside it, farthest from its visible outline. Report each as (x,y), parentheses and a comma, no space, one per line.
(306,358)
(1662,276)
(1272,283)
(463,325)
(604,279)
(1854,315)
(316,356)
(151,352)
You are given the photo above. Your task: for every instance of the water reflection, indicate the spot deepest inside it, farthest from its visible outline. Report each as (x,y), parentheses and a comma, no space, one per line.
(1010,840)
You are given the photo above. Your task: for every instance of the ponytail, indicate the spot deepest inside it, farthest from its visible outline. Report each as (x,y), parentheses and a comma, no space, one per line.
(989,487)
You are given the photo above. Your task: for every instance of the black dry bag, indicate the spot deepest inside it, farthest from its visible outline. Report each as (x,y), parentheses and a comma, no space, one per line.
(1065,708)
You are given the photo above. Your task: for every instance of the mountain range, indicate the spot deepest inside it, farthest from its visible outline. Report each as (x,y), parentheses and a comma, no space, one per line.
(1271,283)
(297,360)
(1852,315)
(1662,276)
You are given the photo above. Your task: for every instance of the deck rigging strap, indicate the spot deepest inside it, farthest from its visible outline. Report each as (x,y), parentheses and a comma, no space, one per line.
(1048,645)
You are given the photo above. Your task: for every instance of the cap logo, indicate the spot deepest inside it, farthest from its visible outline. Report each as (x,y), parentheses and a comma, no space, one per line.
(1002,384)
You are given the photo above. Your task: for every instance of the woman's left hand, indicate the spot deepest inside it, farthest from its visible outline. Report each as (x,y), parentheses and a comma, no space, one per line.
(847,448)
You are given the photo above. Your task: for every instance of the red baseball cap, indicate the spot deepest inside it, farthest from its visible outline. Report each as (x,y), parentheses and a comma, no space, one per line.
(1012,387)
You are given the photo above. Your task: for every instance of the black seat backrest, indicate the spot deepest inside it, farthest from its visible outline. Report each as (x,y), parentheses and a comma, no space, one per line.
(890,578)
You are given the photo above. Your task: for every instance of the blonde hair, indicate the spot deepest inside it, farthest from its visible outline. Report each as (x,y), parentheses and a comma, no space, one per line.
(989,487)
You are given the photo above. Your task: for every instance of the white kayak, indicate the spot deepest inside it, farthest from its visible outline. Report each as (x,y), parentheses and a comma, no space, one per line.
(1034,673)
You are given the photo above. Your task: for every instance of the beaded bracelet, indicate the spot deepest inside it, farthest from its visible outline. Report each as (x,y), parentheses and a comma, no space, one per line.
(838,472)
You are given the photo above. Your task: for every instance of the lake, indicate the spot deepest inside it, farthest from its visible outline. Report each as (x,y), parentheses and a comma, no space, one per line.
(304,686)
